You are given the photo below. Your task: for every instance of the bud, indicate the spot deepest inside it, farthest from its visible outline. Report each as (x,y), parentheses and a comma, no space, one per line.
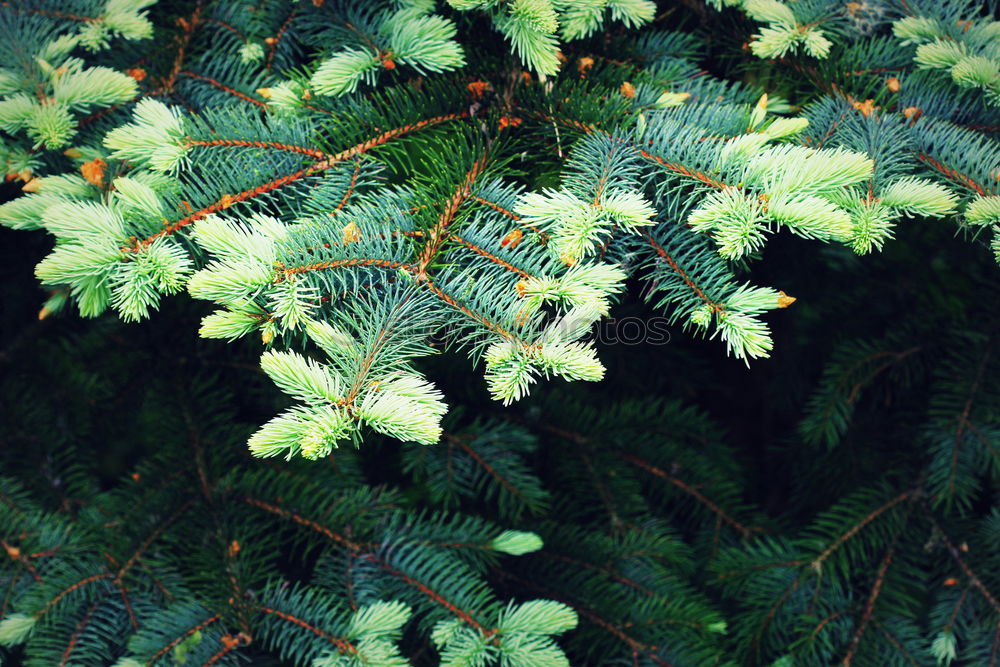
(350,233)
(759,112)
(867,108)
(93,171)
(512,238)
(516,542)
(478,88)
(507,121)
(784,301)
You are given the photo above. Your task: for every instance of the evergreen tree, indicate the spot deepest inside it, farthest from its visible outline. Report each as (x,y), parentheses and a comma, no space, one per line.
(358,187)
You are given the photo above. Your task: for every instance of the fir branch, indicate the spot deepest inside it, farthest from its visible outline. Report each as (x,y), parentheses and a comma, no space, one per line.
(247,143)
(954,175)
(216,84)
(188,28)
(351,187)
(15,554)
(86,581)
(869,606)
(437,234)
(160,529)
(858,526)
(178,640)
(506,483)
(53,13)
(75,637)
(229,644)
(683,171)
(354,547)
(684,276)
(636,648)
(953,551)
(466,616)
(772,612)
(491,257)
(963,418)
(745,531)
(342,645)
(273,46)
(895,643)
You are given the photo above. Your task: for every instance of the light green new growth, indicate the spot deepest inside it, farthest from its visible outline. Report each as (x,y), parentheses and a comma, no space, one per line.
(576,226)
(47,116)
(970,53)
(155,138)
(984,211)
(522,637)
(15,629)
(375,631)
(407,37)
(46,92)
(96,255)
(403,406)
(533,27)
(784,34)
(516,542)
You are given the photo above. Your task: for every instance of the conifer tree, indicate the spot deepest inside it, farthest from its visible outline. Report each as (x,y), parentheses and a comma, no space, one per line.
(358,186)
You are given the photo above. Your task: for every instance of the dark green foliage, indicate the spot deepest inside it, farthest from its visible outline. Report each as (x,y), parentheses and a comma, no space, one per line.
(834,504)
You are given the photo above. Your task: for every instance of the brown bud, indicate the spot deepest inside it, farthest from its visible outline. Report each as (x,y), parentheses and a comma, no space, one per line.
(93,171)
(350,233)
(867,108)
(507,121)
(512,238)
(478,88)
(784,301)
